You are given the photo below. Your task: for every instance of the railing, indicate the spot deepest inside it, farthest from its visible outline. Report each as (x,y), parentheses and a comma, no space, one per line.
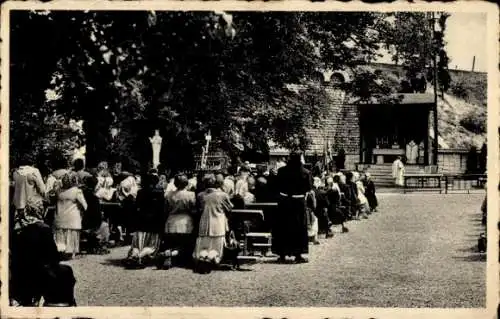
(465,182)
(424,181)
(444,183)
(212,162)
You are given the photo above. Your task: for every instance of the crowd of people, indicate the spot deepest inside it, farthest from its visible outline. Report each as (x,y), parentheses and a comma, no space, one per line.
(167,219)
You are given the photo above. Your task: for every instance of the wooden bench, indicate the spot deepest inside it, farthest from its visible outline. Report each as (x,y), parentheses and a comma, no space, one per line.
(422,182)
(249,224)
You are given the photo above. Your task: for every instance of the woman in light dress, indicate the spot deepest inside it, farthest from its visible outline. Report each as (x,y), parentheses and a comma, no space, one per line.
(215,206)
(364,207)
(71,205)
(181,208)
(104,189)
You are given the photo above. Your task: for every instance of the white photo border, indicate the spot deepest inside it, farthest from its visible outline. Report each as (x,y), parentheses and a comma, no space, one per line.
(492,278)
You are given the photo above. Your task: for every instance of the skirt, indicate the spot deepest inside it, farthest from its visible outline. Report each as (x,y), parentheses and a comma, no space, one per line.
(312,228)
(179,224)
(67,240)
(209,248)
(144,244)
(364,208)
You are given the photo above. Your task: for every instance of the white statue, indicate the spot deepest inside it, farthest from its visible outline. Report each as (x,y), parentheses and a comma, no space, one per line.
(156,145)
(412,152)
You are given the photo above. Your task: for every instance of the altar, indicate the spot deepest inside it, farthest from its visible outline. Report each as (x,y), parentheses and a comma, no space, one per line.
(392,130)
(386,155)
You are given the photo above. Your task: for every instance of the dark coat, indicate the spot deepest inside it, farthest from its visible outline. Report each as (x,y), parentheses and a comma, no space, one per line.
(321,201)
(33,255)
(370,194)
(272,187)
(261,192)
(335,215)
(150,214)
(92,217)
(321,210)
(290,225)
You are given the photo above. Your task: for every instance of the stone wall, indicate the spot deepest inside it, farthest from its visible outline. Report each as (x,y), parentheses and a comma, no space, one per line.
(351,161)
(339,129)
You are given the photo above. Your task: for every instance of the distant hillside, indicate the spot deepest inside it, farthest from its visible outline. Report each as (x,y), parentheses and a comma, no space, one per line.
(462,112)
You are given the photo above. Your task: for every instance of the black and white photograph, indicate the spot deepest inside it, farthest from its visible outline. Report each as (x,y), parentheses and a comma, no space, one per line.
(234,157)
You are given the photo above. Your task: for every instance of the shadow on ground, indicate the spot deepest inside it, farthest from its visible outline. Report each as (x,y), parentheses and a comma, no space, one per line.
(472,258)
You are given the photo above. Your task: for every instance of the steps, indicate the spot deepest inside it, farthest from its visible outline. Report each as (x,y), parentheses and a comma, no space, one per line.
(382,173)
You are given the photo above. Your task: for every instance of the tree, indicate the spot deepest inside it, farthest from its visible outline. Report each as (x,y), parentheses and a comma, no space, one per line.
(190,72)
(410,39)
(35,129)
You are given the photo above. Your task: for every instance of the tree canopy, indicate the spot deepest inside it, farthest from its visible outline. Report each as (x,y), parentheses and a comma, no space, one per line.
(414,40)
(185,73)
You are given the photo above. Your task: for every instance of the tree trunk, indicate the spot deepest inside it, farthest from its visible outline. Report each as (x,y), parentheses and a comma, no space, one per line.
(91,142)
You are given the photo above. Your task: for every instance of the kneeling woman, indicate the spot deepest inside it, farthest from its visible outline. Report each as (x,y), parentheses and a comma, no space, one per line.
(214,205)
(148,222)
(178,240)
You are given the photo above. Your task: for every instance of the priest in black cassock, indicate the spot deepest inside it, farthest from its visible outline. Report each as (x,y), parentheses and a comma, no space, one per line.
(289,233)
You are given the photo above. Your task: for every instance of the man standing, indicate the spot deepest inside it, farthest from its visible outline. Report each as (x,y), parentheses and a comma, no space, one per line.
(290,236)
(398,169)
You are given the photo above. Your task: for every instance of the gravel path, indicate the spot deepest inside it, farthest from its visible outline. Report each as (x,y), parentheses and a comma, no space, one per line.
(418,251)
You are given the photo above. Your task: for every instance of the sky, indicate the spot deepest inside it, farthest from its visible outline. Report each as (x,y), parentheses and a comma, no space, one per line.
(466,37)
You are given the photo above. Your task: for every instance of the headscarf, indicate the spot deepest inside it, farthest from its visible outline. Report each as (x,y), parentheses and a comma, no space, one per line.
(317,182)
(128,187)
(102,167)
(70,179)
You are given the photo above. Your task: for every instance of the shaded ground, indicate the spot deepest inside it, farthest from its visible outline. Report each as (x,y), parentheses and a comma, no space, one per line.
(418,251)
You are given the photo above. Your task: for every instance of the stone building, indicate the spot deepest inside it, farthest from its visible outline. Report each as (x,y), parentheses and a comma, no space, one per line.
(374,133)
